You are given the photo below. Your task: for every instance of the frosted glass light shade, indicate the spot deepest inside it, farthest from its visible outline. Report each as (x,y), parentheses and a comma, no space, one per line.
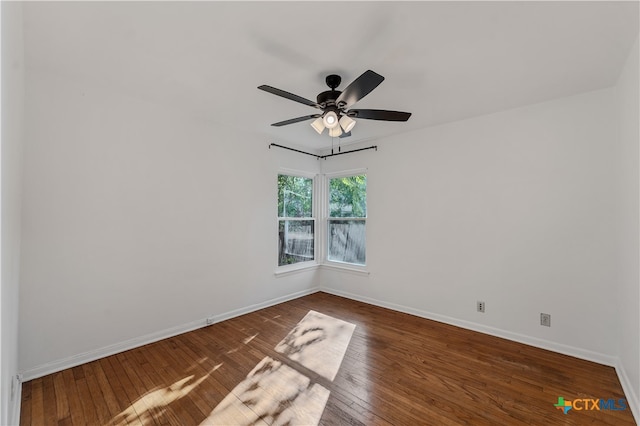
(335,132)
(330,120)
(318,125)
(347,123)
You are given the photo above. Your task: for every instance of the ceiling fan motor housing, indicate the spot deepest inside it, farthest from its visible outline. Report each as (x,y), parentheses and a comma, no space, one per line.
(328,99)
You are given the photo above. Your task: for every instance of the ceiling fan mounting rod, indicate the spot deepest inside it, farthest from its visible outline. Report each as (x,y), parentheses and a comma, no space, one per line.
(333,81)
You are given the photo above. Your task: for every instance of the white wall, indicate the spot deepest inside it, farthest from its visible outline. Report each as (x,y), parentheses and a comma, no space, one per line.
(138,221)
(628,187)
(12,115)
(513,209)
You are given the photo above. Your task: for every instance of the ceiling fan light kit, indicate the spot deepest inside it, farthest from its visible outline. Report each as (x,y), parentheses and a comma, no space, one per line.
(330,120)
(337,125)
(335,132)
(347,123)
(317,125)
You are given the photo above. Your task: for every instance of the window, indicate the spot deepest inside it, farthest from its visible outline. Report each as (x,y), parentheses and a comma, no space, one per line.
(296,224)
(347,219)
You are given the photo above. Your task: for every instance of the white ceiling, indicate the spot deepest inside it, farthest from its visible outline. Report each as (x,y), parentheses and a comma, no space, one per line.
(443,61)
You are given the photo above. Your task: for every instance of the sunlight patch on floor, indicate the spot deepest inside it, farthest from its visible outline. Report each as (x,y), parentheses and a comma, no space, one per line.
(156,401)
(250,338)
(272,393)
(319,343)
(276,393)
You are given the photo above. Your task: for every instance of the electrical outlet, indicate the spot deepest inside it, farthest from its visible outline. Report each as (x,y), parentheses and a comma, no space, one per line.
(480,306)
(545,319)
(211,320)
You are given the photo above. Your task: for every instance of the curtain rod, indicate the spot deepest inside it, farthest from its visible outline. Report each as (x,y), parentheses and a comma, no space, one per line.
(323,157)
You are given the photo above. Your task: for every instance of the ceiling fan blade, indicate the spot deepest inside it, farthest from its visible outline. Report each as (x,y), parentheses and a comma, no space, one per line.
(296,120)
(289,96)
(359,88)
(379,114)
(345,135)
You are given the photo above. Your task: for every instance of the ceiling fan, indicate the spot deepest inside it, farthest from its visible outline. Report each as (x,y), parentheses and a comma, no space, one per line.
(335,105)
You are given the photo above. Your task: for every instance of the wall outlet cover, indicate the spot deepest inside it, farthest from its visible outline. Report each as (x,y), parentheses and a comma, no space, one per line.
(545,319)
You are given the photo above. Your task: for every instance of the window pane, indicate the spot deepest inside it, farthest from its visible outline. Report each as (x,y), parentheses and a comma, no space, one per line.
(347,241)
(348,196)
(295,242)
(294,196)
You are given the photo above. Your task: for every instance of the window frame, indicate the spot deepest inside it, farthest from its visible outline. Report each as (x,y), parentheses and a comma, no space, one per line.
(326,218)
(283,269)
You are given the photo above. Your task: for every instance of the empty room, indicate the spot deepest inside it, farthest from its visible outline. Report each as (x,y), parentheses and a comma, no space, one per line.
(320,213)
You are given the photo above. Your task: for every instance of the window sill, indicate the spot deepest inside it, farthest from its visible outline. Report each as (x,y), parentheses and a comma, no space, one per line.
(348,269)
(295,269)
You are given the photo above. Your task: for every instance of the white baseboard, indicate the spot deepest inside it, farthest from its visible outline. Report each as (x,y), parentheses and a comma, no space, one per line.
(75,360)
(516,337)
(629,391)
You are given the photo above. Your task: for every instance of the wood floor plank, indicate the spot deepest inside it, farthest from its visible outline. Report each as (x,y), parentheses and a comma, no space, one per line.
(75,405)
(177,394)
(98,398)
(84,394)
(138,367)
(63,412)
(136,391)
(110,382)
(37,403)
(26,403)
(398,369)
(124,391)
(49,400)
(199,406)
(107,389)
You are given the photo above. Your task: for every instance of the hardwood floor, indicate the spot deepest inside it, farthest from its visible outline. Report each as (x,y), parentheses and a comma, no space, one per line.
(398,369)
